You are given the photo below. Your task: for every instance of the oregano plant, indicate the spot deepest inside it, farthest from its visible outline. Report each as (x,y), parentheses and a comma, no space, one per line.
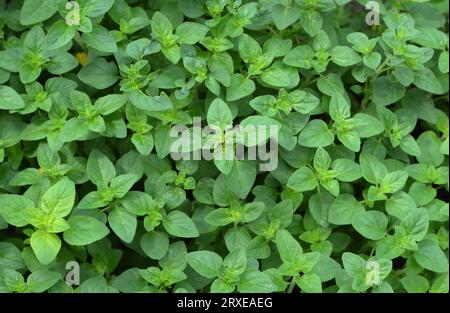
(224,146)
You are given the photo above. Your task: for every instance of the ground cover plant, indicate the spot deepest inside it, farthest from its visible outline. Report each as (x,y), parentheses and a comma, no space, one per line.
(92,199)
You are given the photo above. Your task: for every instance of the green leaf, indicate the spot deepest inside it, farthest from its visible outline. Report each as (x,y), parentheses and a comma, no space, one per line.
(121,184)
(288,248)
(148,103)
(316,134)
(284,16)
(11,207)
(302,179)
(387,91)
(431,37)
(372,169)
(440,285)
(62,63)
(400,205)
(236,261)
(12,280)
(93,200)
(123,224)
(431,257)
(101,39)
(35,11)
(40,281)
(10,256)
(443,62)
(346,170)
(10,99)
(240,87)
(344,56)
(99,74)
(206,263)
(343,209)
(84,230)
(393,181)
(143,143)
(219,217)
(59,198)
(258,129)
(303,102)
(95,8)
(29,73)
(372,60)
(241,178)
(351,140)
(421,193)
(252,211)
(353,264)
(429,149)
(255,281)
(219,286)
(311,21)
(179,224)
(59,35)
(410,146)
(308,260)
(161,26)
(319,204)
(404,75)
(219,114)
(100,169)
(95,284)
(137,49)
(155,244)
(339,108)
(110,103)
(370,224)
(309,283)
(330,85)
(416,224)
(45,246)
(172,53)
(249,48)
(280,76)
(415,283)
(301,56)
(367,125)
(277,47)
(191,33)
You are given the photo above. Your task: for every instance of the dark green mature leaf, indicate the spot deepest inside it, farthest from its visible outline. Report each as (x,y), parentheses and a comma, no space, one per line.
(84,230)
(9,99)
(179,224)
(99,74)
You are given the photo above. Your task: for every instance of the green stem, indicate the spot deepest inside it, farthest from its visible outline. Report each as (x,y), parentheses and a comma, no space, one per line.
(291,285)
(443,97)
(372,251)
(369,84)
(381,68)
(309,81)
(78,40)
(271,30)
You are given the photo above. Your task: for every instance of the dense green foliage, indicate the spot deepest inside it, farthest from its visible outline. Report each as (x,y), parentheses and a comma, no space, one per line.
(358,201)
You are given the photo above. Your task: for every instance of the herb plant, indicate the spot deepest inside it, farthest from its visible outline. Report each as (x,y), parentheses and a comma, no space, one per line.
(92,199)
